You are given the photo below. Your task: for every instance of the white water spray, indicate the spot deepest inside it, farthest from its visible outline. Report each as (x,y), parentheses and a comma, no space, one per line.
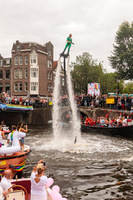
(75,119)
(56,96)
(57,129)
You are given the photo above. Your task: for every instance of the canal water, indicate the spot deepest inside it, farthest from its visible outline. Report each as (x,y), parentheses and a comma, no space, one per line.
(96,167)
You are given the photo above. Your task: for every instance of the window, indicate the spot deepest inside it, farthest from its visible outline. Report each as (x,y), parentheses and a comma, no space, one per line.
(1,87)
(16,60)
(16,73)
(20,73)
(7,88)
(7,74)
(33,59)
(15,87)
(7,61)
(50,87)
(25,86)
(18,47)
(34,72)
(20,60)
(34,86)
(50,75)
(1,62)
(49,64)
(20,87)
(49,53)
(63,81)
(26,73)
(1,74)
(26,60)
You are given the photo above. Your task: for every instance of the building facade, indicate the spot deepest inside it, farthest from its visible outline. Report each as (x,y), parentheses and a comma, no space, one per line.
(32,69)
(5,75)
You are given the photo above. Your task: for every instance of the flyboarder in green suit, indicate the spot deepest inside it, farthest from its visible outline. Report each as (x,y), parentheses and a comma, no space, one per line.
(68,45)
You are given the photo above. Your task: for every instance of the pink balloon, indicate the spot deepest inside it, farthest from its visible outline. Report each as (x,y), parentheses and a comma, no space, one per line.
(56,187)
(64,199)
(55,195)
(50,182)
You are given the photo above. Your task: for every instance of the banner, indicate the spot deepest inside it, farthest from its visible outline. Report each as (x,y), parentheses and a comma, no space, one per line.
(94,88)
(110,100)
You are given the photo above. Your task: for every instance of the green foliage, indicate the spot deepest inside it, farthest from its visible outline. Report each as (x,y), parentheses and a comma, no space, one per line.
(122,56)
(128,88)
(86,70)
(109,83)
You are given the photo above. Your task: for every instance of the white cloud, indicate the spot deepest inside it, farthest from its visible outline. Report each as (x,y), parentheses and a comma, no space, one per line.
(92,23)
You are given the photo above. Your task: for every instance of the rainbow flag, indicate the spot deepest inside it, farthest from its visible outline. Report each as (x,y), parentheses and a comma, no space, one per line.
(97,86)
(18,107)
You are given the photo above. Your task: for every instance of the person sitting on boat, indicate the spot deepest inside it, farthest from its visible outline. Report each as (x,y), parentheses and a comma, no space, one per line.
(98,121)
(102,121)
(5,182)
(119,121)
(110,123)
(106,122)
(94,122)
(86,121)
(20,128)
(2,136)
(124,121)
(38,182)
(15,136)
(115,122)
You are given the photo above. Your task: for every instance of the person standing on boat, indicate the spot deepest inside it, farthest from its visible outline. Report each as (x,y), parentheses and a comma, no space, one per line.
(38,182)
(20,128)
(2,136)
(15,136)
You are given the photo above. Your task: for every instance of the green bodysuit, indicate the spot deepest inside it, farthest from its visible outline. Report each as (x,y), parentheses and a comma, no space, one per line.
(68,44)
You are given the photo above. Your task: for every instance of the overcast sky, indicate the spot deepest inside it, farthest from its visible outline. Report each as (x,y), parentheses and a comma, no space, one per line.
(93,24)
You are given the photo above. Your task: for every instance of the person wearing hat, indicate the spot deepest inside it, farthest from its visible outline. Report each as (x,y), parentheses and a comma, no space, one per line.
(38,182)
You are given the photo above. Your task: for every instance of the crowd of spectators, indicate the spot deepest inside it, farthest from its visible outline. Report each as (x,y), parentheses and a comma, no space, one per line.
(120,102)
(36,102)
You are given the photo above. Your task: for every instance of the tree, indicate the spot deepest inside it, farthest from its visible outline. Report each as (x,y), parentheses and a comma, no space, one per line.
(85,70)
(108,83)
(122,56)
(128,88)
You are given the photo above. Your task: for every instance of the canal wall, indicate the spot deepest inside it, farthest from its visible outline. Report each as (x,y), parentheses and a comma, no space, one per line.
(43,115)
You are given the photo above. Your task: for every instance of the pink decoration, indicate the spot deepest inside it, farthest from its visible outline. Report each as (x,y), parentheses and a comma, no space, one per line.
(55,195)
(56,187)
(50,182)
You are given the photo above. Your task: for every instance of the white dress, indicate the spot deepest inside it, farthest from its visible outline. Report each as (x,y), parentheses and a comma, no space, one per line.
(38,190)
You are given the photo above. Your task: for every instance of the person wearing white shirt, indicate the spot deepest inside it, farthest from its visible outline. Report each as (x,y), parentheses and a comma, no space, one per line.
(5,182)
(38,182)
(124,121)
(15,136)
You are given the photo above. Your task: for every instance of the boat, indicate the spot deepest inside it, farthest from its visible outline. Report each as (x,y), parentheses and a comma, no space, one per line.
(123,131)
(21,190)
(14,158)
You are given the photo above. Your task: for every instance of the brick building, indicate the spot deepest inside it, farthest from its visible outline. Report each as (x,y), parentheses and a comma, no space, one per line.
(5,75)
(32,69)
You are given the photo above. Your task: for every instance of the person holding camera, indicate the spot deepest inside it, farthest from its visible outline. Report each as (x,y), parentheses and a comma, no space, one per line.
(38,182)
